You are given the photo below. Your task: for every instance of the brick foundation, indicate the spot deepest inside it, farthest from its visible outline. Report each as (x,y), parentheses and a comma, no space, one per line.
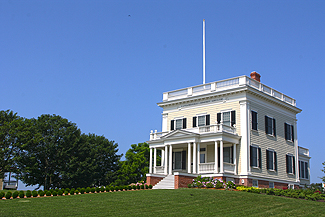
(152,180)
(182,181)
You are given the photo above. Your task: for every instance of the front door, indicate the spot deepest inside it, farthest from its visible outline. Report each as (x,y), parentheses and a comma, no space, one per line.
(179,162)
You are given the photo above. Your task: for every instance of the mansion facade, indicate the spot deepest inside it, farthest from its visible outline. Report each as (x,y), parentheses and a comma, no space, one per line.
(236,129)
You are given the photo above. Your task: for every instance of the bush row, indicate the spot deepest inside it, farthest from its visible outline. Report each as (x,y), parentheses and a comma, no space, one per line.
(209,182)
(72,191)
(307,194)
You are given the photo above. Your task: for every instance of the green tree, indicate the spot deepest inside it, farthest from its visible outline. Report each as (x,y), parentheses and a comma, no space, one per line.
(11,139)
(46,154)
(323,170)
(136,164)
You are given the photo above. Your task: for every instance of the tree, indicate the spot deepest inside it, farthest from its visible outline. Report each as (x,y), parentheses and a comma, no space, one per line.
(323,170)
(136,164)
(11,139)
(45,155)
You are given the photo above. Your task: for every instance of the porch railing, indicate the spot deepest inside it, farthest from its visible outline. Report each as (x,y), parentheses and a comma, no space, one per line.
(229,167)
(206,167)
(217,128)
(160,169)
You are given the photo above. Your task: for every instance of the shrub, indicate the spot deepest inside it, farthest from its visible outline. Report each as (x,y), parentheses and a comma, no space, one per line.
(41,193)
(270,191)
(2,194)
(55,193)
(66,192)
(112,188)
(68,189)
(102,189)
(15,194)
(34,193)
(21,194)
(134,187)
(301,195)
(141,186)
(87,189)
(93,189)
(48,193)
(82,190)
(8,195)
(146,186)
(77,191)
(28,193)
(138,187)
(116,188)
(107,188)
(72,191)
(60,192)
(51,190)
(150,186)
(97,189)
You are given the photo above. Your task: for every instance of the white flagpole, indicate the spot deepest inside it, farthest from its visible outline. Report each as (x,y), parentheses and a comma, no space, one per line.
(203,51)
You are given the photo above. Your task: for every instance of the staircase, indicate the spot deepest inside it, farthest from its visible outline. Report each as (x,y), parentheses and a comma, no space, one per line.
(166,183)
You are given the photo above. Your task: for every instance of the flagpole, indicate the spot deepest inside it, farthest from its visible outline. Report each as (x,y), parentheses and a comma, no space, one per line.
(203,51)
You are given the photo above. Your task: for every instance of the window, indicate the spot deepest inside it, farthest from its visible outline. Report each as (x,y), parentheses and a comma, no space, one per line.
(254,120)
(227,118)
(271,184)
(178,124)
(303,169)
(255,156)
(255,183)
(228,154)
(270,126)
(201,120)
(271,161)
(290,162)
(288,132)
(202,155)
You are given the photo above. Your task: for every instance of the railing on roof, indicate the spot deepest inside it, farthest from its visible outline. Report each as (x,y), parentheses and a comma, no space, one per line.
(303,151)
(224,85)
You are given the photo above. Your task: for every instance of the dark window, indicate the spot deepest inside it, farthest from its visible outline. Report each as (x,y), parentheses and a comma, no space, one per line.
(228,118)
(254,120)
(228,154)
(303,169)
(202,120)
(288,132)
(271,161)
(255,156)
(178,124)
(290,162)
(270,126)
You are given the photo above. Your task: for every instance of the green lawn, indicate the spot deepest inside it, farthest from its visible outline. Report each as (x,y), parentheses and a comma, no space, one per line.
(181,202)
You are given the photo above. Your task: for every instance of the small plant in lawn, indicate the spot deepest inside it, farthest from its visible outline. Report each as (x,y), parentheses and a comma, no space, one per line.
(21,194)
(48,193)
(2,194)
(34,193)
(15,194)
(72,191)
(150,186)
(117,188)
(8,195)
(77,191)
(129,187)
(138,187)
(87,190)
(42,193)
(68,189)
(82,190)
(66,193)
(134,187)
(54,193)
(93,189)
(112,188)
(97,189)
(141,186)
(107,188)
(102,189)
(60,192)
(39,191)
(146,186)
(28,193)
(121,188)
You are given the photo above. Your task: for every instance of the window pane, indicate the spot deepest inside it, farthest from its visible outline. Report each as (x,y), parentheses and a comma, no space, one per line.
(202,158)
(254,156)
(226,155)
(270,162)
(289,164)
(179,124)
(202,120)
(226,118)
(269,126)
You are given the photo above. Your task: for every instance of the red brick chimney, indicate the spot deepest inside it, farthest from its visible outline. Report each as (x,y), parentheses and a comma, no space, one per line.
(256,76)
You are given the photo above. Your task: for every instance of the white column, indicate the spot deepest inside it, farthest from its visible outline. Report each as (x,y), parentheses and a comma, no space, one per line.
(189,157)
(150,160)
(198,158)
(170,159)
(245,136)
(166,160)
(235,159)
(215,156)
(297,151)
(194,157)
(221,156)
(154,160)
(162,162)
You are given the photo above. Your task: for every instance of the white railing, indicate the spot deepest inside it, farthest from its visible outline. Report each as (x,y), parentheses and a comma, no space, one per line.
(206,167)
(224,84)
(303,151)
(228,167)
(160,169)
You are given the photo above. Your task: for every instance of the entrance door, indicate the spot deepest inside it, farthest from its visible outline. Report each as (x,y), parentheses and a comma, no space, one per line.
(179,162)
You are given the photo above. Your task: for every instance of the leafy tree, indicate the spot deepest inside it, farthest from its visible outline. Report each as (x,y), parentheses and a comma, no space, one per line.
(136,164)
(45,155)
(323,170)
(11,139)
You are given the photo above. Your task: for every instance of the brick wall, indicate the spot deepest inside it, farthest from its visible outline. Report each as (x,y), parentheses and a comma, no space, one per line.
(152,180)
(182,181)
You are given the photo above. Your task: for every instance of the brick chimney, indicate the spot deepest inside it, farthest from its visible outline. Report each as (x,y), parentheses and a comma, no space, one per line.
(256,76)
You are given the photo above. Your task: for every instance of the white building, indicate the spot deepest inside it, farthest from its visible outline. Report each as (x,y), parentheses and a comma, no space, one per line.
(236,129)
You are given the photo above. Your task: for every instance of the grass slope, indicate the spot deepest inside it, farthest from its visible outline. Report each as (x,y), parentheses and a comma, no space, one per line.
(181,202)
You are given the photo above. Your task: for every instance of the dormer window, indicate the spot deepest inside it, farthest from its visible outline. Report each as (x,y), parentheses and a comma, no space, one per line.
(201,120)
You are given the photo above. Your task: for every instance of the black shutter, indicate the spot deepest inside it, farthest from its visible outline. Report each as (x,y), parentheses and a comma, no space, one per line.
(275,162)
(218,156)
(267,159)
(292,133)
(251,155)
(184,123)
(299,168)
(207,120)
(287,163)
(286,131)
(172,125)
(306,170)
(259,158)
(274,128)
(266,125)
(194,121)
(294,165)
(233,118)
(232,154)
(183,160)
(254,120)
(218,118)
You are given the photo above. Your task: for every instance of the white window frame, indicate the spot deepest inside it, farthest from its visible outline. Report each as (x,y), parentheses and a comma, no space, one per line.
(304,167)
(292,163)
(272,126)
(257,157)
(290,133)
(255,180)
(273,160)
(271,184)
(203,152)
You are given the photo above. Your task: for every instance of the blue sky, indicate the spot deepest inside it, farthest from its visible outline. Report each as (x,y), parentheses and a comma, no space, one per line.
(105,64)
